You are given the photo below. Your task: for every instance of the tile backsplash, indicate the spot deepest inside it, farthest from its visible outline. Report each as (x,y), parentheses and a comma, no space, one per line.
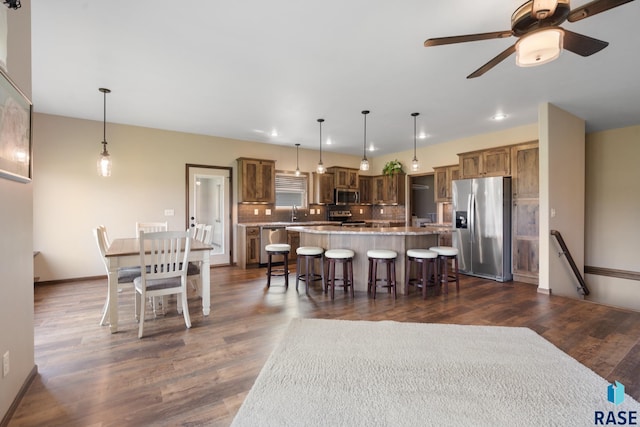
(247,213)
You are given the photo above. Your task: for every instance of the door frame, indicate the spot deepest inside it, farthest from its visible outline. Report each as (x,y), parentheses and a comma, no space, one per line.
(187,192)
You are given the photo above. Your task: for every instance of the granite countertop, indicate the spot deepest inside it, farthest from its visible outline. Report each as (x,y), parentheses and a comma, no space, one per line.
(389,231)
(284,223)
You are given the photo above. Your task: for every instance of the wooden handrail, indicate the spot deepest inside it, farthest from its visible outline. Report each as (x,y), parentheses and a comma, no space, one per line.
(574,267)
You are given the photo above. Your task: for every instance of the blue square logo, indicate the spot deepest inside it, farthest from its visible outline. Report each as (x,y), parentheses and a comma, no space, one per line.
(615,393)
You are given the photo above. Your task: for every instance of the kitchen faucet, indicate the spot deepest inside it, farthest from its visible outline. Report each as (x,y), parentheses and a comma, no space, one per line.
(294,213)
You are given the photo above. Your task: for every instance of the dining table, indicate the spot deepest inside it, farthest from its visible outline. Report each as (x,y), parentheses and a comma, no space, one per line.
(125,252)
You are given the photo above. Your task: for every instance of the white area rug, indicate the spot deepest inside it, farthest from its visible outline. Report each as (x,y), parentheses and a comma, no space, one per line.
(357,373)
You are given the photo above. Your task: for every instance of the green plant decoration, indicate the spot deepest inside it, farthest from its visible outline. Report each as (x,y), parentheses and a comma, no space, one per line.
(392,166)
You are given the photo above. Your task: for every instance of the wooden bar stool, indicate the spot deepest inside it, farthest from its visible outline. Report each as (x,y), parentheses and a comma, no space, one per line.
(427,267)
(344,257)
(309,254)
(446,253)
(275,249)
(387,258)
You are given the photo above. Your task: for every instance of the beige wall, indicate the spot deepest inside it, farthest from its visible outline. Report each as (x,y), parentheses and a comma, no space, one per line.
(16,249)
(612,234)
(148,177)
(561,192)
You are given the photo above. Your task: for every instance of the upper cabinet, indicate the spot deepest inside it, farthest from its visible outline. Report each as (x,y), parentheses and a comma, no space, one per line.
(323,188)
(442,181)
(365,184)
(344,177)
(257,181)
(491,162)
(389,189)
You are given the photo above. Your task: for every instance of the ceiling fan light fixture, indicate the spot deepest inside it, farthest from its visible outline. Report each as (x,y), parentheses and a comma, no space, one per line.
(539,47)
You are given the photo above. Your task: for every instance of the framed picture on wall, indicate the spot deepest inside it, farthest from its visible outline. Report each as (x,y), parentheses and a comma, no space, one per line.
(15,131)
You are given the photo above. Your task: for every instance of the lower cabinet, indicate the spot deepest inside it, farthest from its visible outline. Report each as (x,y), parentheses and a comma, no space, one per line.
(293,239)
(253,245)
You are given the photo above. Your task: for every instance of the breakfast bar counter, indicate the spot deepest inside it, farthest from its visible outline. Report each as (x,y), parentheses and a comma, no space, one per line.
(361,239)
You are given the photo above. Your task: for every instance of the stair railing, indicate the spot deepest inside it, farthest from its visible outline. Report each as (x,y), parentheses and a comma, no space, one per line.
(565,251)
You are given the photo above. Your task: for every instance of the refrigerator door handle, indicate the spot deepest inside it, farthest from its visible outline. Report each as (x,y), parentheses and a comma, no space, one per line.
(470,217)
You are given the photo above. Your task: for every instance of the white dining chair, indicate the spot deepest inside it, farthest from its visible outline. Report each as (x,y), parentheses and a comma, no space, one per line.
(193,273)
(151,227)
(166,259)
(125,275)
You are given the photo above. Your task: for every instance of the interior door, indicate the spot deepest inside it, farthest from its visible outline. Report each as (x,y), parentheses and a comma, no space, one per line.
(209,202)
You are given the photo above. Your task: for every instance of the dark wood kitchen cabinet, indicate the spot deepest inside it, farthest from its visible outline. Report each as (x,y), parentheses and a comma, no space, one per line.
(344,177)
(389,189)
(257,181)
(365,184)
(323,188)
(443,176)
(526,211)
(490,162)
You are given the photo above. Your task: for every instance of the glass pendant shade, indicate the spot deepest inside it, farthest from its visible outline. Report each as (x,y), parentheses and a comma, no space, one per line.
(415,165)
(104,160)
(539,47)
(364,165)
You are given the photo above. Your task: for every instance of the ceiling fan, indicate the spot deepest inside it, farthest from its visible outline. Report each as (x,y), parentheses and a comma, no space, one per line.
(540,38)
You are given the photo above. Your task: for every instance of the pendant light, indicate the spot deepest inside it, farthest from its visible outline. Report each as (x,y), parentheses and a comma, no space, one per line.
(364,163)
(104,161)
(320,168)
(297,168)
(415,165)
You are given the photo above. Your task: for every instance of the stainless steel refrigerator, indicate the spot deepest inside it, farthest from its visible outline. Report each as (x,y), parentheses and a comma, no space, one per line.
(482,214)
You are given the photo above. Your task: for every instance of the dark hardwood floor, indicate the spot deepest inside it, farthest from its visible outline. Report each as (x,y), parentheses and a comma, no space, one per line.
(175,376)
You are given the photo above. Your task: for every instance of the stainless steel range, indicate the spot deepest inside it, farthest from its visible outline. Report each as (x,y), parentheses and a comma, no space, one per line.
(344,217)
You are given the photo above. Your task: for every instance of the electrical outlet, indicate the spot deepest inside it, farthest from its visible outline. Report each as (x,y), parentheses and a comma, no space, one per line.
(267,211)
(169,212)
(312,211)
(361,211)
(381,211)
(5,364)
(256,212)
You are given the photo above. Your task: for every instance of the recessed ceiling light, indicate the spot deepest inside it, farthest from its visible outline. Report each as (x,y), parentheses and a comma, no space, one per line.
(499,116)
(423,135)
(329,141)
(274,133)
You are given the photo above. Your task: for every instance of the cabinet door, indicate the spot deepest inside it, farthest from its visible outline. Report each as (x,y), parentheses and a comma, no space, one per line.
(253,245)
(341,177)
(525,171)
(352,179)
(440,184)
(379,189)
(257,180)
(364,184)
(323,188)
(470,165)
(267,182)
(526,216)
(496,162)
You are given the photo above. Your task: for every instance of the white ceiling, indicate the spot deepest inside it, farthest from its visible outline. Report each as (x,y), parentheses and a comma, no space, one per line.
(241,69)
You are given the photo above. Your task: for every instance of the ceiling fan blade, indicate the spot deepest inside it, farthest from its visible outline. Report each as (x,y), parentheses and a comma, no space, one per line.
(593,8)
(581,44)
(495,61)
(467,38)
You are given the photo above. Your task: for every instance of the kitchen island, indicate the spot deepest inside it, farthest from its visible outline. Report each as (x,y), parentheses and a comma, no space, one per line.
(361,239)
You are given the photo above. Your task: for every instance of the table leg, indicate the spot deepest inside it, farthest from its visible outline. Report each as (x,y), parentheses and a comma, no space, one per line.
(205,274)
(113,299)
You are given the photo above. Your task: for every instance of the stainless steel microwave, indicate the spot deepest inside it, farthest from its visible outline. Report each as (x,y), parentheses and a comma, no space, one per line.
(342,196)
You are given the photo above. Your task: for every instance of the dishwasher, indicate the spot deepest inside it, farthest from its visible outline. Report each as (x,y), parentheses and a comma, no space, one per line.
(270,234)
